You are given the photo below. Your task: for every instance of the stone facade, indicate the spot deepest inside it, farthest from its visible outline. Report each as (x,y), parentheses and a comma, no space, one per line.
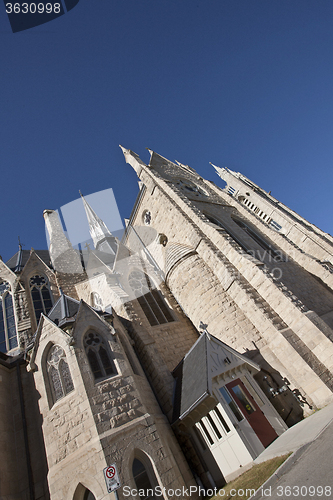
(235,263)
(258,290)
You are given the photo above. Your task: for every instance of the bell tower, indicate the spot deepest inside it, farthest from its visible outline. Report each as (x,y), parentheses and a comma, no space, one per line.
(230,269)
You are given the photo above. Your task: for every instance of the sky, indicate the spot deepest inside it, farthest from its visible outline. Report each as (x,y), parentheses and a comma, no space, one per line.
(244,84)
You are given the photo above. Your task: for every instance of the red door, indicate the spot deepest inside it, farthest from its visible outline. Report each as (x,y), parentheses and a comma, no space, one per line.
(252,412)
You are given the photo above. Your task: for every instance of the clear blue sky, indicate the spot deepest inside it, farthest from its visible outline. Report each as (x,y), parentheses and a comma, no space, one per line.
(246,84)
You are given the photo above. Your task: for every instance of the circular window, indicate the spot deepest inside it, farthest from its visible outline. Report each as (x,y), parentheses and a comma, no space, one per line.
(146,217)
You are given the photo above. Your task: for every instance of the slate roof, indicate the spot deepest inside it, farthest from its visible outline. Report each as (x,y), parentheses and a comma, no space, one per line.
(194,374)
(191,378)
(19,260)
(64,308)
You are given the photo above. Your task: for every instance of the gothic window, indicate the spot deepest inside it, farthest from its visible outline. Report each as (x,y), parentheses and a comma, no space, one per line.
(218,223)
(276,254)
(142,480)
(41,296)
(59,375)
(98,356)
(8,336)
(150,299)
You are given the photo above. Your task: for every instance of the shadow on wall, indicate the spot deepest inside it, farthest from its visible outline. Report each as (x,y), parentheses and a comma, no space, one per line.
(36,444)
(288,403)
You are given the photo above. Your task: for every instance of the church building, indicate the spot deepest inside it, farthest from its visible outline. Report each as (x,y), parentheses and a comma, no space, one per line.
(166,361)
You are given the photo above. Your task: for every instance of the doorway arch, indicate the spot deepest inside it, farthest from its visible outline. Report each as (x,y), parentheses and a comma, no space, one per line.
(83,493)
(144,475)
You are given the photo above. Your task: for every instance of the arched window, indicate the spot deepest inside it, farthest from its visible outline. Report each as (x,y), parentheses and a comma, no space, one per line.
(40,294)
(247,228)
(149,299)
(8,336)
(276,254)
(142,480)
(98,356)
(59,375)
(218,223)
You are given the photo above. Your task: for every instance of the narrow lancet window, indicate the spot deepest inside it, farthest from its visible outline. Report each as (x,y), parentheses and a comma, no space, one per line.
(150,299)
(142,480)
(8,335)
(59,375)
(41,296)
(98,356)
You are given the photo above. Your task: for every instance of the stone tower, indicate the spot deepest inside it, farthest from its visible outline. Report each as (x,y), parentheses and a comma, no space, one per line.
(251,269)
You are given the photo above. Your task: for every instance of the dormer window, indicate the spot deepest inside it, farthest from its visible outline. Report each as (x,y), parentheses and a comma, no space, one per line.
(8,335)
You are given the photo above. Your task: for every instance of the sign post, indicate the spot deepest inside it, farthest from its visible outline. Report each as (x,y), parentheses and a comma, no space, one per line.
(111,478)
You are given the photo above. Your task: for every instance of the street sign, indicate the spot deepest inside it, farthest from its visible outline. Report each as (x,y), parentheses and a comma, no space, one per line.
(111,478)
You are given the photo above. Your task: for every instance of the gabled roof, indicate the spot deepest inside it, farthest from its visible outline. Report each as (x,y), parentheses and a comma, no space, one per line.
(97,262)
(191,379)
(64,308)
(208,358)
(157,160)
(19,260)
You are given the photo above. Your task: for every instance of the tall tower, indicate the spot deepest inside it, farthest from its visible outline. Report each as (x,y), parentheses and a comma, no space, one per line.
(298,231)
(259,290)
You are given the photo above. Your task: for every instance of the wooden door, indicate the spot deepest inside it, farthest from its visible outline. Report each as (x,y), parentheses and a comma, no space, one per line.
(252,412)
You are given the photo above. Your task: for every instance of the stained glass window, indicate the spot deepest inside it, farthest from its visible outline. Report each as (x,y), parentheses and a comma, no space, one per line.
(41,296)
(59,374)
(8,336)
(66,376)
(98,356)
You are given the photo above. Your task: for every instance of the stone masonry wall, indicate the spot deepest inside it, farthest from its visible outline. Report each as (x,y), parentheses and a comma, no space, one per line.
(99,422)
(240,275)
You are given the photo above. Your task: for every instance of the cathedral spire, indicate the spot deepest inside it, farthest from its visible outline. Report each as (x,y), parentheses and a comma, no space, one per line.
(102,237)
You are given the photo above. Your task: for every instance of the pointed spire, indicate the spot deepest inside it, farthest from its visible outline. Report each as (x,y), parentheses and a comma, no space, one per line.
(97,228)
(102,237)
(133,159)
(218,169)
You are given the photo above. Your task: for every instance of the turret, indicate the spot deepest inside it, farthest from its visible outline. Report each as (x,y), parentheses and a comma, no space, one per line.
(63,257)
